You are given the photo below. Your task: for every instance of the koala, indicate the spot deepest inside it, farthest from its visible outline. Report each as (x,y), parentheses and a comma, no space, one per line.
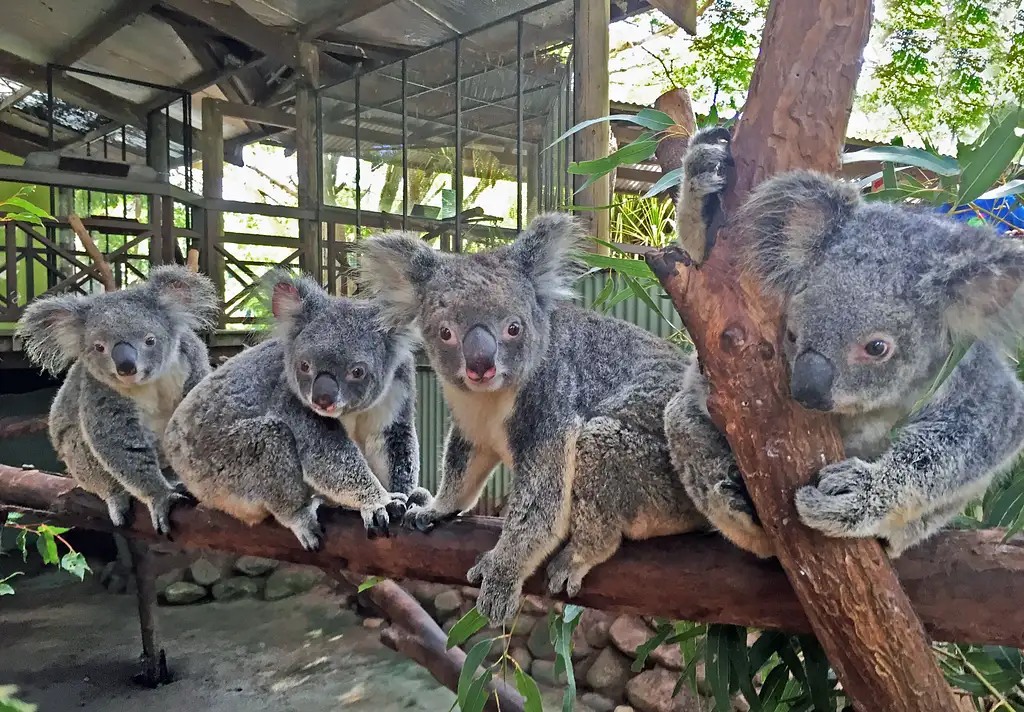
(569,399)
(326,408)
(876,298)
(133,355)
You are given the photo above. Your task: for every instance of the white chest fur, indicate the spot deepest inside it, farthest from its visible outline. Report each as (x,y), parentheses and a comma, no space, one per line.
(157,399)
(481,418)
(366,429)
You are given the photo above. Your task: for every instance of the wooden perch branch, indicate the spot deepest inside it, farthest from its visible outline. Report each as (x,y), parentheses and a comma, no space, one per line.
(99,262)
(967,586)
(795,117)
(17,425)
(421,640)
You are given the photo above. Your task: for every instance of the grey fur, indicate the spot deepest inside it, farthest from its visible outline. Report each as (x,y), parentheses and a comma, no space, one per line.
(250,441)
(574,407)
(108,429)
(851,273)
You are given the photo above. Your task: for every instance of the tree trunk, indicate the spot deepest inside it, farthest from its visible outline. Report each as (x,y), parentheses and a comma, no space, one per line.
(796,115)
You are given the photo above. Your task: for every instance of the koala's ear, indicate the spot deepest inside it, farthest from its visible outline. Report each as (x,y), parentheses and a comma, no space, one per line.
(53,329)
(292,295)
(193,293)
(975,279)
(786,221)
(393,267)
(546,253)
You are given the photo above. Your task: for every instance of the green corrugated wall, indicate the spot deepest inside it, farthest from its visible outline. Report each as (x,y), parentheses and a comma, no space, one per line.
(432,414)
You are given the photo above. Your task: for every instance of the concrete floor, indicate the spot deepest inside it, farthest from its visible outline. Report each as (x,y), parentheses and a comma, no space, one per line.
(70,645)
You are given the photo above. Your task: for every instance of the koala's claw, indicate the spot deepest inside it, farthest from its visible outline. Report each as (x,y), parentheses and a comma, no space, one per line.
(563,576)
(500,590)
(160,512)
(396,508)
(379,523)
(312,538)
(420,497)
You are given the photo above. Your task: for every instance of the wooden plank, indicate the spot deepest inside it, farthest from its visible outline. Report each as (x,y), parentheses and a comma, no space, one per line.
(87,181)
(591,102)
(106,26)
(235,22)
(681,12)
(259,115)
(967,586)
(335,17)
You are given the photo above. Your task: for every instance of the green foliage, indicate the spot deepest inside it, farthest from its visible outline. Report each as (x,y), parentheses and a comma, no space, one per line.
(45,539)
(369,583)
(946,64)
(19,209)
(9,704)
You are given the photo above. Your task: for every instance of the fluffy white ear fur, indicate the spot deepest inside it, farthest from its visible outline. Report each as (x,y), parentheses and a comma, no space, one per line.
(393,267)
(546,251)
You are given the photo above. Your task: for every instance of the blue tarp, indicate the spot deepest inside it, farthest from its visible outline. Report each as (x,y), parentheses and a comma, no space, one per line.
(1003,214)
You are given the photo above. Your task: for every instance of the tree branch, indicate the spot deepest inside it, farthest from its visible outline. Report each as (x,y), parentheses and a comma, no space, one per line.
(968,587)
(795,116)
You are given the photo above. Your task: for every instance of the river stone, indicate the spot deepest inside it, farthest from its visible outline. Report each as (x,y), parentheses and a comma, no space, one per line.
(254,565)
(651,691)
(181,593)
(543,671)
(289,582)
(167,578)
(609,673)
(234,588)
(204,572)
(596,702)
(540,644)
(447,604)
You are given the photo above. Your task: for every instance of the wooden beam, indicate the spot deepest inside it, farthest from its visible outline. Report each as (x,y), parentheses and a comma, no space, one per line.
(335,17)
(112,21)
(967,586)
(591,99)
(681,12)
(795,116)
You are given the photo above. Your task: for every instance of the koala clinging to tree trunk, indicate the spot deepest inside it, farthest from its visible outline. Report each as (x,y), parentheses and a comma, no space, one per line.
(325,408)
(134,354)
(876,298)
(569,399)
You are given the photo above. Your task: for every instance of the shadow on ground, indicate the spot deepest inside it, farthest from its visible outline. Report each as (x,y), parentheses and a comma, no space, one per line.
(72,646)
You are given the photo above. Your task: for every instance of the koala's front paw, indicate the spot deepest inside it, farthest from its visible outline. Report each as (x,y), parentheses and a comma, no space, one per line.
(500,588)
(843,501)
(702,165)
(397,507)
(424,519)
(377,520)
(119,506)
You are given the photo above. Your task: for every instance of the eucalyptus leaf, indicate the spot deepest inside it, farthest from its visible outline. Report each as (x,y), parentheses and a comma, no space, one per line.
(673,178)
(474,658)
(991,159)
(529,690)
(905,155)
(469,624)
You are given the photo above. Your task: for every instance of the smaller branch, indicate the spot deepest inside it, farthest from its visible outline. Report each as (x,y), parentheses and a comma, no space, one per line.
(99,262)
(192,263)
(418,637)
(17,425)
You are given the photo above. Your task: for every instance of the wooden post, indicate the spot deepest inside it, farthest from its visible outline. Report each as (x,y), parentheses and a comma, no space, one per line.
(157,140)
(213,189)
(591,102)
(795,117)
(308,157)
(154,659)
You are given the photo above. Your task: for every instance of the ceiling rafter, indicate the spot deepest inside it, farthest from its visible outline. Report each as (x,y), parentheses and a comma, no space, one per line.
(335,17)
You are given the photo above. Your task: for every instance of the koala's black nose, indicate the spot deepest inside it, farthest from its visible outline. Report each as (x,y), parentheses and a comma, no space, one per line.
(811,381)
(325,391)
(479,349)
(125,358)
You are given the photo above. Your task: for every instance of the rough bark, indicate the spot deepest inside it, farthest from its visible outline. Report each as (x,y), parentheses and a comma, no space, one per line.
(795,117)
(966,586)
(17,425)
(99,262)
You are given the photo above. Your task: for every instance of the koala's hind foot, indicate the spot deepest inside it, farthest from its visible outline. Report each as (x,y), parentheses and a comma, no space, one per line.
(377,518)
(160,510)
(304,524)
(424,518)
(501,589)
(581,553)
(119,506)
(419,497)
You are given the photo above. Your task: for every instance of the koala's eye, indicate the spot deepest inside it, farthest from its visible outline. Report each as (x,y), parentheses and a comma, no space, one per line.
(100,348)
(356,373)
(305,366)
(446,334)
(790,337)
(876,348)
(150,340)
(514,329)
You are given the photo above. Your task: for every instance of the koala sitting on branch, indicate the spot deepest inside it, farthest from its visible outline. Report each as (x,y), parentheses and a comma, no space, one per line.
(327,408)
(134,354)
(569,399)
(876,298)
